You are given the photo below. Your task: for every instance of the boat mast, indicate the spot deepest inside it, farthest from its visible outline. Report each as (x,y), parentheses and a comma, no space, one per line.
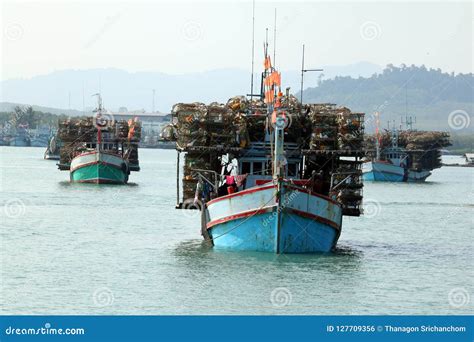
(98,117)
(253,48)
(302,77)
(377,136)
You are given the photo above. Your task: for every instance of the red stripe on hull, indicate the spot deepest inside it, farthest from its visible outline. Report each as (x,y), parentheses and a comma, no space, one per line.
(95,152)
(270,209)
(288,185)
(329,199)
(313,217)
(240,193)
(94,163)
(240,215)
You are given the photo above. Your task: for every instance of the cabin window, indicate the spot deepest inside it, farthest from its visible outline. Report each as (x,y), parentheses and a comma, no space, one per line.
(292,170)
(257,168)
(245,168)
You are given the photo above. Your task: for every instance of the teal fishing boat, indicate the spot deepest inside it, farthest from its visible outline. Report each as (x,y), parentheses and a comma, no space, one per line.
(99,167)
(100,150)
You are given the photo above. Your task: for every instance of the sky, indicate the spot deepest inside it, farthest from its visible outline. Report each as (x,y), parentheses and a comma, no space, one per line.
(39,37)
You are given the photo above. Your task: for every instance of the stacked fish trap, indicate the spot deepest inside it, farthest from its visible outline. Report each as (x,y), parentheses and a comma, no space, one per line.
(327,133)
(324,127)
(195,160)
(335,152)
(350,130)
(77,134)
(190,124)
(74,132)
(423,147)
(251,119)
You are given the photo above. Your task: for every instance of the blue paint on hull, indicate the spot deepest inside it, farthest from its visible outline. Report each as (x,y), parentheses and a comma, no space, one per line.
(382,172)
(260,233)
(379,176)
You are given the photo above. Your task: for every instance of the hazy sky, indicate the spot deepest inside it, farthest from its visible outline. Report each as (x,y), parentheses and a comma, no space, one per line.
(178,37)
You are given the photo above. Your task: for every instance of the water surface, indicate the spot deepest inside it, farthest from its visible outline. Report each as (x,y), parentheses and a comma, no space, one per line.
(88,249)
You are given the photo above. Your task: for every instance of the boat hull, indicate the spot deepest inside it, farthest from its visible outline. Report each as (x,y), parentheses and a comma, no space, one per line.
(384,172)
(261,219)
(417,176)
(99,168)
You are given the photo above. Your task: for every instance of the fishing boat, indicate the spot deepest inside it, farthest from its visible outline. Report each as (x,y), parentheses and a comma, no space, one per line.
(40,138)
(99,166)
(412,162)
(21,137)
(281,187)
(108,159)
(277,216)
(392,165)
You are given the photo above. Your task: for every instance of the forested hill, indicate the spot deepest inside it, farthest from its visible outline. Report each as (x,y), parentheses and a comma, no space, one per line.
(429,94)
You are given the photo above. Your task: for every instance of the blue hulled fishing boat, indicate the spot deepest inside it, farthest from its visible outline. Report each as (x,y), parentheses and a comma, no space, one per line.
(392,164)
(270,174)
(403,155)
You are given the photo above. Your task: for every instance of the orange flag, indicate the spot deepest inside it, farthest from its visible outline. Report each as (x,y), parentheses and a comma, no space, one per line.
(269,96)
(268,63)
(273,78)
(276,77)
(268,81)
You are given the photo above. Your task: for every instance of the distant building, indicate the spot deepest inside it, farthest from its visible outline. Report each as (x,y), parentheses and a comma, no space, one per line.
(151,122)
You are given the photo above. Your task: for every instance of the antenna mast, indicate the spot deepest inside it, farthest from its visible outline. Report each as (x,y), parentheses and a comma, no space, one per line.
(153,102)
(274,38)
(253,48)
(303,70)
(302,76)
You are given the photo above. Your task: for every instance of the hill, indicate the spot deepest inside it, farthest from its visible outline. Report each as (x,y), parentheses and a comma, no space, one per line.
(133,90)
(429,94)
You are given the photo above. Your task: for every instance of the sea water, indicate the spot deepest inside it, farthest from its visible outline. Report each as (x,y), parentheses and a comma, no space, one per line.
(104,249)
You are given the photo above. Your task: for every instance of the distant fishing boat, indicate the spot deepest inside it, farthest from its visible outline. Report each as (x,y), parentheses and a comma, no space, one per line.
(392,165)
(107,160)
(399,164)
(99,166)
(21,137)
